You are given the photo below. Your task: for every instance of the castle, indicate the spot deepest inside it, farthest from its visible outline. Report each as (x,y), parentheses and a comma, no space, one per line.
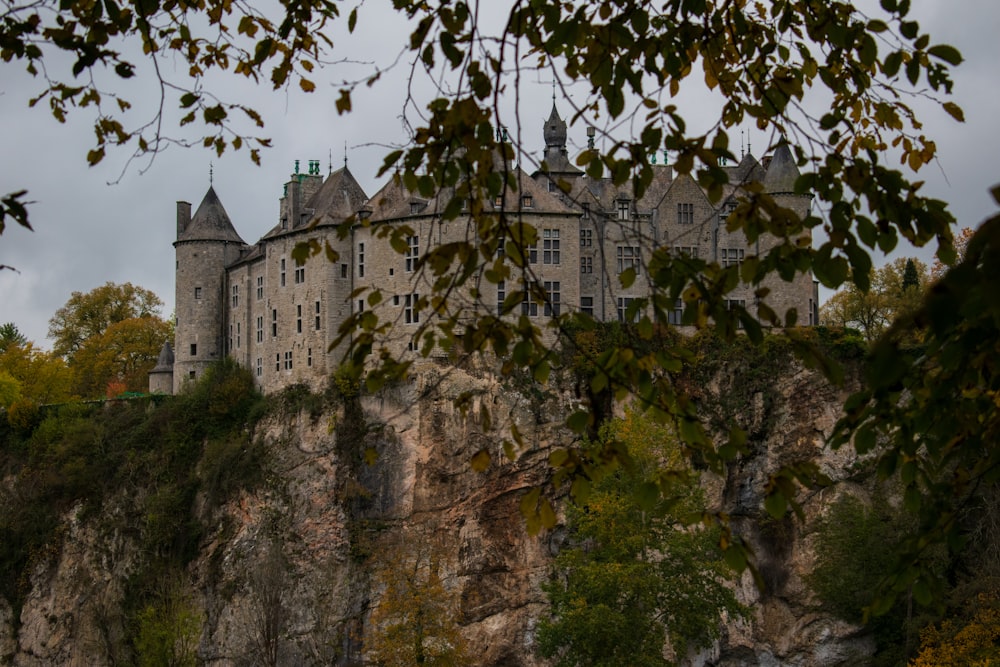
(279,319)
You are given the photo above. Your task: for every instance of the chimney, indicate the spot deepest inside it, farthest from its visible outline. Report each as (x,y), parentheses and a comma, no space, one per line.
(183,217)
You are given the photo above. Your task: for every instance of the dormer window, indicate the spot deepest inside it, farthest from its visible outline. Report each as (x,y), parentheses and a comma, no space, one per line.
(415,207)
(498,201)
(527,201)
(624,209)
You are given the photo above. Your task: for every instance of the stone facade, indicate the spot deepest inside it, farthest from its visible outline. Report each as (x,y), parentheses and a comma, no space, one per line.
(256,304)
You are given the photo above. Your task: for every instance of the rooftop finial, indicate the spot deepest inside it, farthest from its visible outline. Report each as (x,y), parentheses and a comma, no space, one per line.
(345,154)
(742,153)
(210,174)
(329,169)
(553,90)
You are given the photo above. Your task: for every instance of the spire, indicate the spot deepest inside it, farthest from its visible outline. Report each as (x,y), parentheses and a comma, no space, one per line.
(782,171)
(555,129)
(210,222)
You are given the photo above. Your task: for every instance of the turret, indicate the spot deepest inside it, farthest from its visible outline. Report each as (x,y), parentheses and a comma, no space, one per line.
(205,245)
(161,378)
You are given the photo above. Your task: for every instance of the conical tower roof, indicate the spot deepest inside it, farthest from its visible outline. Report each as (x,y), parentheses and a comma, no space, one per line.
(555,130)
(210,222)
(782,171)
(165,362)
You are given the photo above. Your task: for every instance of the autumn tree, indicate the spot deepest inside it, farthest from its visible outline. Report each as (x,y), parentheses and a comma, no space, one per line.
(896,288)
(10,335)
(40,377)
(632,578)
(111,334)
(416,619)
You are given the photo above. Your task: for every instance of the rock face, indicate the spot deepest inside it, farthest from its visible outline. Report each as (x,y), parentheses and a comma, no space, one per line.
(292,570)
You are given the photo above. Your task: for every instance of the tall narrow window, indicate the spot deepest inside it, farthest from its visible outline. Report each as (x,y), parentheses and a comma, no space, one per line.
(298,318)
(260,287)
(412,252)
(587,305)
(238,337)
(274,323)
(552,299)
(288,360)
(260,329)
(623,308)
(550,246)
(529,306)
(236,296)
(282,272)
(532,253)
(194,349)
(676,315)
(260,367)
(277,361)
(300,275)
(343,270)
(685,214)
(624,210)
(410,313)
(501,296)
(197,292)
(586,238)
(361,260)
(586,265)
(317,316)
(309,357)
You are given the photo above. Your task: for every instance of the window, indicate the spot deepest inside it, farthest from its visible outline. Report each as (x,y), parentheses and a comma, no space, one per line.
(676,315)
(586,265)
(527,201)
(733,304)
(260,329)
(317,316)
(236,296)
(628,258)
(586,238)
(624,210)
(529,306)
(498,201)
(230,344)
(298,318)
(731,256)
(415,207)
(410,313)
(412,252)
(288,360)
(685,251)
(552,186)
(532,253)
(361,305)
(282,272)
(623,306)
(501,296)
(552,299)
(550,246)
(343,270)
(395,299)
(237,334)
(274,323)
(191,374)
(501,246)
(586,210)
(277,361)
(587,305)
(197,292)
(309,357)
(300,275)
(361,260)
(260,367)
(685,214)
(260,287)
(194,349)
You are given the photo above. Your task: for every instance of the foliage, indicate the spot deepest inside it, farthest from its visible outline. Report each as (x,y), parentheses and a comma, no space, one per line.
(896,289)
(122,355)
(856,549)
(930,420)
(632,577)
(266,610)
(10,335)
(164,457)
(415,621)
(41,377)
(973,643)
(88,315)
(169,630)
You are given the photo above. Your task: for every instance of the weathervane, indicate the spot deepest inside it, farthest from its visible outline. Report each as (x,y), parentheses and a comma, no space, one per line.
(210,174)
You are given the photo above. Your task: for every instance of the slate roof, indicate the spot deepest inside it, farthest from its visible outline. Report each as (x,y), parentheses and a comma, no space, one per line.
(210,222)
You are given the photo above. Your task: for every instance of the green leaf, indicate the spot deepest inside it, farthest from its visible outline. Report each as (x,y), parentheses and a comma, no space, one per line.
(947,53)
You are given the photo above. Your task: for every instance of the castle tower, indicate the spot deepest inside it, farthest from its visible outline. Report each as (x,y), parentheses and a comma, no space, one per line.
(205,245)
(161,378)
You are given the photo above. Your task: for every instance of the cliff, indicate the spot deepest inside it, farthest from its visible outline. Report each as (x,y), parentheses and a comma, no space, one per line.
(361,495)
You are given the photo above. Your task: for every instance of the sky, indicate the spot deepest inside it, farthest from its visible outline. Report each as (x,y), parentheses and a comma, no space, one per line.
(116,221)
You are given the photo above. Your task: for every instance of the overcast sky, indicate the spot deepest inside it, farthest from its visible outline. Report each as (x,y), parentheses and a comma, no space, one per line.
(94,225)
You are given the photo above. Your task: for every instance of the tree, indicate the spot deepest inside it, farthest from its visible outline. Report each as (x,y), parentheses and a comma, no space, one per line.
(895,289)
(41,377)
(414,622)
(632,578)
(10,335)
(972,643)
(123,354)
(87,315)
